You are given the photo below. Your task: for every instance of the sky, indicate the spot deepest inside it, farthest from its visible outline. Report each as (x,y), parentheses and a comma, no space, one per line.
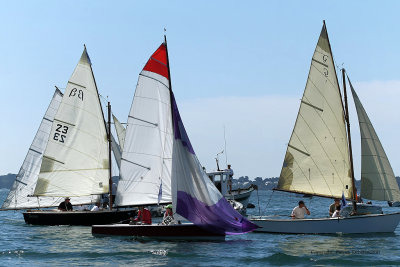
(235,65)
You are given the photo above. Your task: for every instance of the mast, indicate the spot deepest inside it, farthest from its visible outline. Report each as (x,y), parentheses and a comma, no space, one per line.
(169,71)
(109,156)
(349,138)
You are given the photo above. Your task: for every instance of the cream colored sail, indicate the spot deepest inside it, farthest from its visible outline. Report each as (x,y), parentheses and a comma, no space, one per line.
(121,132)
(377,178)
(317,157)
(75,162)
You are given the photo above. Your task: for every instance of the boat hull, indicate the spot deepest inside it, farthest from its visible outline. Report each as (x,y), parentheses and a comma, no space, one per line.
(242,196)
(375,223)
(159,232)
(76,217)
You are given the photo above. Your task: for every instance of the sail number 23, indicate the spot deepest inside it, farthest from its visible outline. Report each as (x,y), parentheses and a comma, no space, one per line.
(60,133)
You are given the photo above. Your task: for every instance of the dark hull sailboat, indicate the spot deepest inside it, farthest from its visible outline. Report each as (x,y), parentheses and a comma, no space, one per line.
(76,217)
(187,231)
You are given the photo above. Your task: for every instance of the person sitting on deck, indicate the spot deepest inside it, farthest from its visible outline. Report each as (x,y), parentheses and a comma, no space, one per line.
(168,216)
(144,216)
(333,206)
(65,205)
(299,211)
(336,214)
(96,207)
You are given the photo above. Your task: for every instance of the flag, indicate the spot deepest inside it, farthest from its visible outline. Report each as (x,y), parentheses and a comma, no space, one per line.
(343,200)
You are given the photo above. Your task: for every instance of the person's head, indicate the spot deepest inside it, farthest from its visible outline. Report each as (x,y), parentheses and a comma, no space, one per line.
(301,203)
(67,199)
(337,201)
(98,203)
(229,166)
(338,208)
(169,207)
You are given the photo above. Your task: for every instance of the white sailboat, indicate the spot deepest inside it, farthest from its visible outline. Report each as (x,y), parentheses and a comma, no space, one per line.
(159,165)
(76,160)
(21,193)
(318,159)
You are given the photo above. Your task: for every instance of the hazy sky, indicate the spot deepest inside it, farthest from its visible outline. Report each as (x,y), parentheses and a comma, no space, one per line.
(238,64)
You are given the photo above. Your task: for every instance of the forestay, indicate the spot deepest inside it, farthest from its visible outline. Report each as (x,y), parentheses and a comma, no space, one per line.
(317,157)
(20,195)
(146,157)
(75,162)
(195,197)
(377,178)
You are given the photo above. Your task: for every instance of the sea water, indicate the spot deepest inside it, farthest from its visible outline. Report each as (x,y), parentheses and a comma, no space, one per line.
(27,245)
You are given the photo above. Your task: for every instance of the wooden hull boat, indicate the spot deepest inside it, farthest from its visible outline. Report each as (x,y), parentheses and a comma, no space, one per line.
(48,217)
(374,223)
(186,231)
(241,195)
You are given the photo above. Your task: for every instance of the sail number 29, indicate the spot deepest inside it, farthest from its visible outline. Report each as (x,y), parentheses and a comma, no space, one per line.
(60,133)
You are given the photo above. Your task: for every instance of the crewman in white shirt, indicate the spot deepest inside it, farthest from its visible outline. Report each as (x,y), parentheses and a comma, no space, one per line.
(299,211)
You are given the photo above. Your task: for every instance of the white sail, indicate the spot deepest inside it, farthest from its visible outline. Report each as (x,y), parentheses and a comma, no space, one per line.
(146,157)
(20,195)
(121,132)
(317,157)
(377,178)
(75,162)
(116,149)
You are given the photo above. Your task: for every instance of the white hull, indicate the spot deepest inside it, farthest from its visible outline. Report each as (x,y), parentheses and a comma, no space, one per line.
(376,223)
(241,196)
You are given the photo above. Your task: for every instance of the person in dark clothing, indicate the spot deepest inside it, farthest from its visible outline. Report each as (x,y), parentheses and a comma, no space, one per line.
(65,205)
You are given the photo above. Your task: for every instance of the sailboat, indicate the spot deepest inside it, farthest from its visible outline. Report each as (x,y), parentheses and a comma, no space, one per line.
(21,196)
(319,160)
(76,161)
(159,165)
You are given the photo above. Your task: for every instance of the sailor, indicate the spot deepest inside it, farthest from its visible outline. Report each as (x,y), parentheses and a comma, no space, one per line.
(332,207)
(230,177)
(336,214)
(168,216)
(299,211)
(144,216)
(65,205)
(96,207)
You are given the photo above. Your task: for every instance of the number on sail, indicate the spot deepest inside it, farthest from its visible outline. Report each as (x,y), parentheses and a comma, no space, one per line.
(60,133)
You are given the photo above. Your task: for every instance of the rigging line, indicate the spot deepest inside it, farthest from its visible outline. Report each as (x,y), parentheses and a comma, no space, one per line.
(148,168)
(269,200)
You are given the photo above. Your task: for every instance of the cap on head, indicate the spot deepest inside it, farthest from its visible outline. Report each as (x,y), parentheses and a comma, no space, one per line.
(67,198)
(168,206)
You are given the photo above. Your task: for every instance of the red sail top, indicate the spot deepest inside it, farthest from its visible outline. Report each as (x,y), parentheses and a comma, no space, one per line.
(158,62)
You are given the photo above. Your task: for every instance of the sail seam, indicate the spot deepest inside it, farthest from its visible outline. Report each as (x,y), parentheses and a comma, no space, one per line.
(154,79)
(311,105)
(299,150)
(77,84)
(323,64)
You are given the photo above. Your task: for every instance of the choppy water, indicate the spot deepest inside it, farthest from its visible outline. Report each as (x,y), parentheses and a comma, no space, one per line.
(22,244)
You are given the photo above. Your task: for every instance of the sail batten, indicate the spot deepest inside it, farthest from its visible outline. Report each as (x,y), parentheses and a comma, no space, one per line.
(317,158)
(75,162)
(377,177)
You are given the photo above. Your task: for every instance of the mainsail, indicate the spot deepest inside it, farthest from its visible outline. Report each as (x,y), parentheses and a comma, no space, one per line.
(195,197)
(147,152)
(377,178)
(75,162)
(317,159)
(20,195)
